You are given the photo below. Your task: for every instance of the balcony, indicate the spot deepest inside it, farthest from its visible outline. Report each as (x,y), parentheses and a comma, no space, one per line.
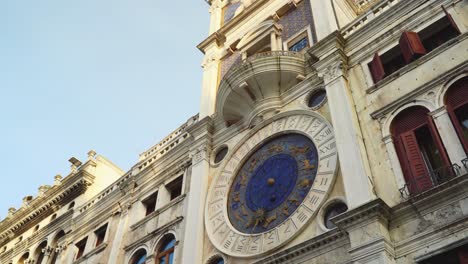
(257,84)
(438,177)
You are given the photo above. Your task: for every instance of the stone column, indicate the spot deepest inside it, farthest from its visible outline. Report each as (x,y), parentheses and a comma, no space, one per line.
(368,233)
(273,41)
(194,235)
(357,185)
(448,135)
(215,16)
(47,254)
(116,244)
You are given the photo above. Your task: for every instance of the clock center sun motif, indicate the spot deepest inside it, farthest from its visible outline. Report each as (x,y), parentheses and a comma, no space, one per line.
(272,183)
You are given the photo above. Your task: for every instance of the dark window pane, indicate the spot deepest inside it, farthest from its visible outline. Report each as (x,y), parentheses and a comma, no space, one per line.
(317,98)
(333,211)
(221,154)
(462,117)
(300,45)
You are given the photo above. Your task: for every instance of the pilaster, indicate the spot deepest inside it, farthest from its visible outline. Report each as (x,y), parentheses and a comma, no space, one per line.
(122,213)
(367,227)
(448,135)
(330,62)
(194,224)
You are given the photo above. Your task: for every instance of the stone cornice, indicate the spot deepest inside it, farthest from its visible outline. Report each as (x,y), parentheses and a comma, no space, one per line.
(371,210)
(220,35)
(158,211)
(41,207)
(321,241)
(440,79)
(328,57)
(371,32)
(153,233)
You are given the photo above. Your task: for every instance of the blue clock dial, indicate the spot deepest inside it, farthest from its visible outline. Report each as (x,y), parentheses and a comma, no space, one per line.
(272,183)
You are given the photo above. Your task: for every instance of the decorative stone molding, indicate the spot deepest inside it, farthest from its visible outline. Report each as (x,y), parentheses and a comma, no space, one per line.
(48,250)
(374,209)
(199,154)
(318,242)
(332,72)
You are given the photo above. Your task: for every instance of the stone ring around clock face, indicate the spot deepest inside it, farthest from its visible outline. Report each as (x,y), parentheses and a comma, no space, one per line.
(272,183)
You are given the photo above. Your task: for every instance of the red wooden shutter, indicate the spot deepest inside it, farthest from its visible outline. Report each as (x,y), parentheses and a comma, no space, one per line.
(411,46)
(420,179)
(377,69)
(450,19)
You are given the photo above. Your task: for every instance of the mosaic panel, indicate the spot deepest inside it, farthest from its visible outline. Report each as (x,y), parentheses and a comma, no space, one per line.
(297,19)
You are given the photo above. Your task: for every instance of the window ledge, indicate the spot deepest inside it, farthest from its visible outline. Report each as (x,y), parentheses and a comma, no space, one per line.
(157,212)
(91,253)
(407,68)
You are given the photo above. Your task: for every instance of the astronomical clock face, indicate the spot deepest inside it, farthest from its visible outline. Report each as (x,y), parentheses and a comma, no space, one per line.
(271,186)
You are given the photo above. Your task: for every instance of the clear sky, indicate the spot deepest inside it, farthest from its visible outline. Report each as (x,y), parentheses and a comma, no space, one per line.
(115,76)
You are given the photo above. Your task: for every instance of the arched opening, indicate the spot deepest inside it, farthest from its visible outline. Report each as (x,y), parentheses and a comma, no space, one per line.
(23,258)
(39,254)
(456,100)
(139,257)
(58,238)
(166,250)
(419,148)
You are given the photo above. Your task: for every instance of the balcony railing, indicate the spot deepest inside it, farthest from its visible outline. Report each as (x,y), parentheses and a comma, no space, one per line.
(437,177)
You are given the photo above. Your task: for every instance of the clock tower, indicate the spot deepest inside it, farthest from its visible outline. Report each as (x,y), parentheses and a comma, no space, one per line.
(278,129)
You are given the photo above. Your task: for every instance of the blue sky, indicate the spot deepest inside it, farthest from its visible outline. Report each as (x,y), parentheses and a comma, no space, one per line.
(115,76)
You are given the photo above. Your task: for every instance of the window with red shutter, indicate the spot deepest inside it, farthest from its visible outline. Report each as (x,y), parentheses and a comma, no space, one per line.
(456,101)
(450,19)
(411,46)
(418,147)
(377,68)
(418,179)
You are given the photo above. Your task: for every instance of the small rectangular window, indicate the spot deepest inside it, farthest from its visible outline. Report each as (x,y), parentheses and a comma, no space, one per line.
(438,33)
(81,247)
(150,203)
(175,188)
(100,235)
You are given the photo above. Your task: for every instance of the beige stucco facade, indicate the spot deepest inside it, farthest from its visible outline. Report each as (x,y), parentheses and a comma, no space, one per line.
(258,83)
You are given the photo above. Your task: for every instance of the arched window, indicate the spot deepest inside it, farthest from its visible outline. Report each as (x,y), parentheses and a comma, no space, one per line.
(418,147)
(58,238)
(456,100)
(39,255)
(166,250)
(23,259)
(139,257)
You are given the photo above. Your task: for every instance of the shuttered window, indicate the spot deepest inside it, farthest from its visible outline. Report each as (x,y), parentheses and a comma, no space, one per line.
(418,147)
(377,68)
(457,106)
(420,179)
(411,46)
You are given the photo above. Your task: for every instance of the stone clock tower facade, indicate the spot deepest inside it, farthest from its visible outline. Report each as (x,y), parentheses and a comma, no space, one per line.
(329,132)
(303,166)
